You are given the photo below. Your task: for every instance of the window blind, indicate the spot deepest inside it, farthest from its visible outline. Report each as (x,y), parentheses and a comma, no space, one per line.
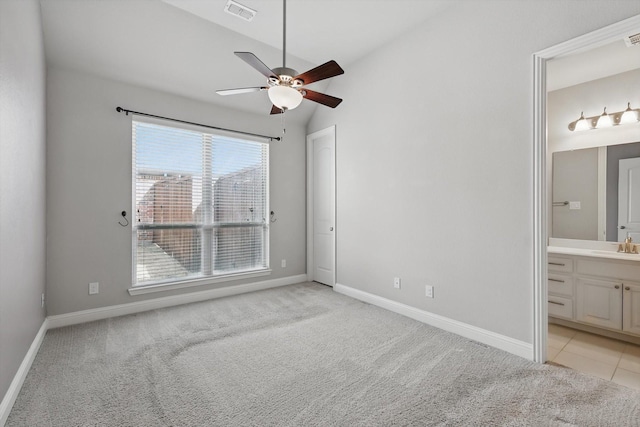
(200,203)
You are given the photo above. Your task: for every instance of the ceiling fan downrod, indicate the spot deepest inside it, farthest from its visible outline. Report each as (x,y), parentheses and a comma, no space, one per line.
(284,33)
(285,75)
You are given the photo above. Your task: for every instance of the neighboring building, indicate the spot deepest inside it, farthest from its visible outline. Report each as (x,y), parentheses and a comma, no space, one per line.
(169,200)
(237,209)
(238,218)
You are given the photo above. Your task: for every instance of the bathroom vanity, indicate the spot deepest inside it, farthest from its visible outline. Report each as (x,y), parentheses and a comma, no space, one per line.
(595,286)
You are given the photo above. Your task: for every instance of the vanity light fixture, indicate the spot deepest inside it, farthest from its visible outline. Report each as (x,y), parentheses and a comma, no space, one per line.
(606,119)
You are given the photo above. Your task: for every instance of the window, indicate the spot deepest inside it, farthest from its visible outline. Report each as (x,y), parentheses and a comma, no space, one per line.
(201,205)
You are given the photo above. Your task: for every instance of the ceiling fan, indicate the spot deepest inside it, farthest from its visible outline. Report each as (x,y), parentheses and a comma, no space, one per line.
(285,87)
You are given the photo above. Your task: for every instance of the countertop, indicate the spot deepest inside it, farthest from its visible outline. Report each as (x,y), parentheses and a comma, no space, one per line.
(594,253)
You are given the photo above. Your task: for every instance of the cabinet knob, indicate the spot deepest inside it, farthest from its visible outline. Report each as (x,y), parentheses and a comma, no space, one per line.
(617,286)
(627,288)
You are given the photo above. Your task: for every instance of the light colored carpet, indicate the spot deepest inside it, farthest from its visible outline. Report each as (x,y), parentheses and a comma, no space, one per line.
(299,355)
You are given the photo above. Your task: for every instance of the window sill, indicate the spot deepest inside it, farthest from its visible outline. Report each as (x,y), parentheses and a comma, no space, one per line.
(148,289)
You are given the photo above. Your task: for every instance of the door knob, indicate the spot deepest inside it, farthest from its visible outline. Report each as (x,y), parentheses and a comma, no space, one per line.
(627,288)
(330,228)
(617,286)
(622,227)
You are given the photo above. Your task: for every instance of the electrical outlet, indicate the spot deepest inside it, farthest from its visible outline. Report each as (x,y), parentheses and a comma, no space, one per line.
(396,282)
(42,301)
(94,288)
(283,263)
(428,291)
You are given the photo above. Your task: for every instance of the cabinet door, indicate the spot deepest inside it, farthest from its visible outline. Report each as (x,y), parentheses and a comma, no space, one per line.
(631,309)
(599,303)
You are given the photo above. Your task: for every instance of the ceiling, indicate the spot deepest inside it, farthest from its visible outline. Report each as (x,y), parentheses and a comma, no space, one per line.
(186,47)
(320,30)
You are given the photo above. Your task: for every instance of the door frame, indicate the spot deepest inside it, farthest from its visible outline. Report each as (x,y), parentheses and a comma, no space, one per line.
(541,183)
(331,130)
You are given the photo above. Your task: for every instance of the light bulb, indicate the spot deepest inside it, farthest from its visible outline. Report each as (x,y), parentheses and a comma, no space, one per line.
(582,123)
(605,120)
(629,116)
(284,97)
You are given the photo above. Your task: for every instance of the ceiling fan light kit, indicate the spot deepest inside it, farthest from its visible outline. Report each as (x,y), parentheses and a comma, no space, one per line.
(284,97)
(285,85)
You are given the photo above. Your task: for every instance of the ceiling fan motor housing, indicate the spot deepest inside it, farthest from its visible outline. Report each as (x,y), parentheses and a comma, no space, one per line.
(285,76)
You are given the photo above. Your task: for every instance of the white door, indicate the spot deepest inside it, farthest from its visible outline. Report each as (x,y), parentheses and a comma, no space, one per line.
(629,199)
(599,303)
(631,310)
(321,148)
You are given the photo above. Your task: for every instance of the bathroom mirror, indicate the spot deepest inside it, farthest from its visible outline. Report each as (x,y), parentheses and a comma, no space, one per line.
(585,191)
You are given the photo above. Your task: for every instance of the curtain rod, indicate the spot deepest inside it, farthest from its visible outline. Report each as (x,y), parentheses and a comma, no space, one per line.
(271,138)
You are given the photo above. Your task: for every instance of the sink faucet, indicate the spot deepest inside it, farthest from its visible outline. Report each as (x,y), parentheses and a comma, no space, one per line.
(627,247)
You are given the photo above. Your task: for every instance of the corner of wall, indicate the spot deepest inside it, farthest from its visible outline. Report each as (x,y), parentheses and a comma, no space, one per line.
(22,154)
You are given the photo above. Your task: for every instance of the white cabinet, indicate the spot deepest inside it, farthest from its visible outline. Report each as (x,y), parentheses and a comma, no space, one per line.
(595,291)
(599,303)
(631,310)
(560,288)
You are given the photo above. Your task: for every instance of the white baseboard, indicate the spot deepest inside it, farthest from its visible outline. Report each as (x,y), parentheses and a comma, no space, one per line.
(84,316)
(510,345)
(15,386)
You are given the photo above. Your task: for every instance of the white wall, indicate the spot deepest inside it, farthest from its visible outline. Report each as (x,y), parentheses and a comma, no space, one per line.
(89,184)
(22,182)
(435,159)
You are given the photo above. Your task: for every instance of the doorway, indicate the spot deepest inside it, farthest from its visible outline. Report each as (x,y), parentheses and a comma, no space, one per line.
(541,180)
(321,206)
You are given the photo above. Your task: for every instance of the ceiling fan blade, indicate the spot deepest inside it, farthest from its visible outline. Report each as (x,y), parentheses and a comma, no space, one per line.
(321,72)
(253,60)
(237,91)
(275,110)
(321,98)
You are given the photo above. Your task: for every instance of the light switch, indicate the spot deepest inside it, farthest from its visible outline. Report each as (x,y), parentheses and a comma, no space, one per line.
(574,205)
(94,288)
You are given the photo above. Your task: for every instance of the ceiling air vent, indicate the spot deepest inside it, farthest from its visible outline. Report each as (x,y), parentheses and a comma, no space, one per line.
(236,9)
(633,40)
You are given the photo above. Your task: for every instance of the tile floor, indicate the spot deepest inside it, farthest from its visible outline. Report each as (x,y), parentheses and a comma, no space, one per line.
(596,355)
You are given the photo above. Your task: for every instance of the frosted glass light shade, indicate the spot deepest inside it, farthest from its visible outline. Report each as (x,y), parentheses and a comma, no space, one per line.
(604,121)
(284,97)
(582,123)
(629,116)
